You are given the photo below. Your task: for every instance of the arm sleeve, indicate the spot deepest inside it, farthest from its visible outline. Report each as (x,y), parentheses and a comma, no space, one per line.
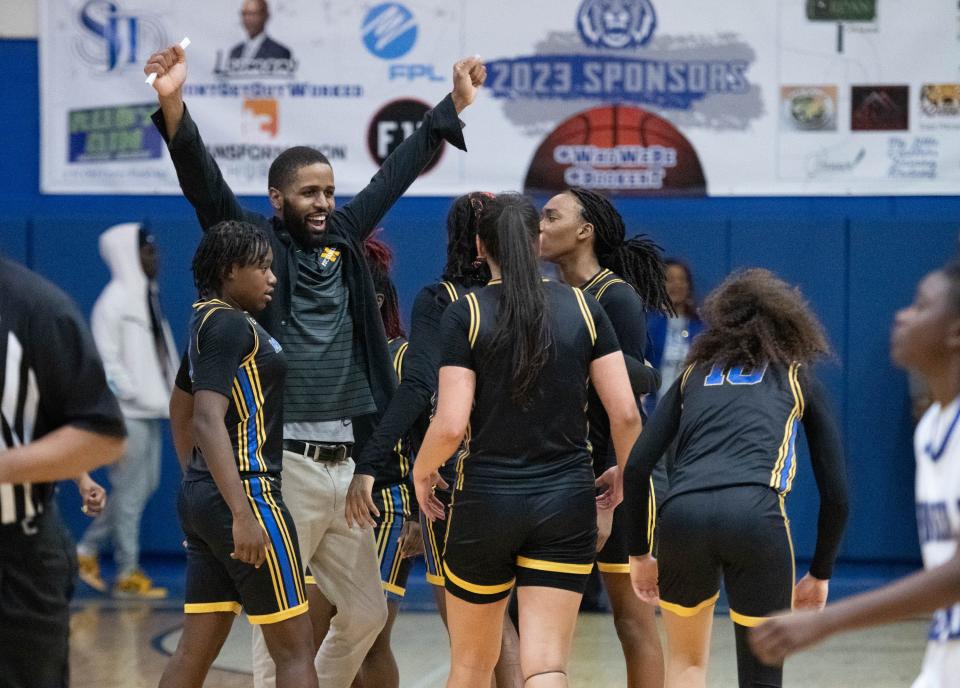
(606,341)
(198,173)
(650,446)
(454,338)
(182,380)
(70,377)
(221,345)
(412,397)
(826,455)
(629,320)
(401,168)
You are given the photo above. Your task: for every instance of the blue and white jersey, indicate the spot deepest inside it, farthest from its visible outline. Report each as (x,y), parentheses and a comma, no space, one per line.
(937,448)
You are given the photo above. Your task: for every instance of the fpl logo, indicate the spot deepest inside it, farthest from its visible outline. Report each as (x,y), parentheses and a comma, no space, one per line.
(389,30)
(113,40)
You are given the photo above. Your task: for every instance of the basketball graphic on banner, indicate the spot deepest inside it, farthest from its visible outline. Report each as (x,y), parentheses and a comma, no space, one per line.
(619,149)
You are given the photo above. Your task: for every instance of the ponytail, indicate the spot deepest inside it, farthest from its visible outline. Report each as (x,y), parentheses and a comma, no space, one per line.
(638,261)
(509,230)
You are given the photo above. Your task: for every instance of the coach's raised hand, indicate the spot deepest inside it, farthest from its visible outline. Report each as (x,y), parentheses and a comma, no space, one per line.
(170,66)
(468,76)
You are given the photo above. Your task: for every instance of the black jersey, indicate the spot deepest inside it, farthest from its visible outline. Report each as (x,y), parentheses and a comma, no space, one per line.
(397,469)
(232,355)
(624,307)
(542,446)
(739,427)
(414,401)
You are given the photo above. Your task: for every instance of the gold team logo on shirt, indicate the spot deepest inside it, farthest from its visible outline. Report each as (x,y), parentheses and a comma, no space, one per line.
(329,255)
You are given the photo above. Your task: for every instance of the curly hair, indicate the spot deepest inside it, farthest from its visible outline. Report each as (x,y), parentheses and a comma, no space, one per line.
(754,318)
(286,165)
(462,223)
(379,258)
(638,260)
(224,245)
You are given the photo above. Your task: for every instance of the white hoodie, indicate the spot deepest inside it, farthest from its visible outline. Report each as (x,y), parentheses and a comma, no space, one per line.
(121,329)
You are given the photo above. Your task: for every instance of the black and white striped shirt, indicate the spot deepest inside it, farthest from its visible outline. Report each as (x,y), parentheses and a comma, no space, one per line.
(50,376)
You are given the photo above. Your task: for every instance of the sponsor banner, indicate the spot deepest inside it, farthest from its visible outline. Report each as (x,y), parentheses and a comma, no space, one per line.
(631,97)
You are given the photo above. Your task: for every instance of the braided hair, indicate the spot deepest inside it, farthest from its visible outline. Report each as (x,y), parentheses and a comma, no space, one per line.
(224,245)
(637,260)
(462,223)
(380,260)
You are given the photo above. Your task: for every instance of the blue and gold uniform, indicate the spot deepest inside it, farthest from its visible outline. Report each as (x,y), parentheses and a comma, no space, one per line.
(392,495)
(724,514)
(523,509)
(232,355)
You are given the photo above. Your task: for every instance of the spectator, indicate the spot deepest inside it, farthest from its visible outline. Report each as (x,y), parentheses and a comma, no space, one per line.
(139,356)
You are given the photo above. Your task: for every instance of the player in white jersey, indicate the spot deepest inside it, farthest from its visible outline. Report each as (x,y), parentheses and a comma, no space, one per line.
(925,339)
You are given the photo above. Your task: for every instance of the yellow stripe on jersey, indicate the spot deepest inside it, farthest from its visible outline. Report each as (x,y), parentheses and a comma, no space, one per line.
(799,395)
(749,621)
(793,559)
(292,553)
(462,456)
(685,612)
(651,514)
(599,276)
(776,475)
(603,289)
(686,374)
(451,290)
(474,318)
(474,587)
(587,316)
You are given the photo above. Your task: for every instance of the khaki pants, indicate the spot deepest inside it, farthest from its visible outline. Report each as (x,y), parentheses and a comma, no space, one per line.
(344,563)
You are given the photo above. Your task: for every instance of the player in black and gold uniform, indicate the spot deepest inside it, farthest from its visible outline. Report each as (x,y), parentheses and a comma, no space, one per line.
(241,542)
(736,412)
(584,235)
(523,511)
(415,398)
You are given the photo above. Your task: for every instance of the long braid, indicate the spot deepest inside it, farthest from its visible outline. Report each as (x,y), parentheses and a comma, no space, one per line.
(638,260)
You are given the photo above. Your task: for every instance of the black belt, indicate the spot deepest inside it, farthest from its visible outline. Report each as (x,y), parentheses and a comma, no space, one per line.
(334,453)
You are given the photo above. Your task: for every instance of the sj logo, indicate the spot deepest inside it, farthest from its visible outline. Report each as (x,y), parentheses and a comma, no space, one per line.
(115,39)
(329,255)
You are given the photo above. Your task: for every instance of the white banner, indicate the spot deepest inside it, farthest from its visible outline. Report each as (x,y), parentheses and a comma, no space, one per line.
(637,97)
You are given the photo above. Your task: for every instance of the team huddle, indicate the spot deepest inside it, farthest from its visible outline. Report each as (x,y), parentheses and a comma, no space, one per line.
(504,439)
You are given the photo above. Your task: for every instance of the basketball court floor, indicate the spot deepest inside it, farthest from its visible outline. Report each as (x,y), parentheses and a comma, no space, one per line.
(126,645)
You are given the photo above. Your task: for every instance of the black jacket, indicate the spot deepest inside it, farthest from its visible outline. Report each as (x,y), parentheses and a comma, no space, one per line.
(347,227)
(268,49)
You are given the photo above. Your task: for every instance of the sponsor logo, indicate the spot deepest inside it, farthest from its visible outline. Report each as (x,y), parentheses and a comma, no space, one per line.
(329,255)
(616,23)
(255,67)
(620,149)
(412,72)
(122,132)
(879,108)
(940,100)
(913,158)
(842,10)
(259,118)
(113,40)
(809,108)
(612,54)
(389,30)
(392,124)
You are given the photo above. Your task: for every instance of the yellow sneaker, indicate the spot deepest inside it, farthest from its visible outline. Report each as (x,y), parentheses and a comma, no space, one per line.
(138,585)
(89,572)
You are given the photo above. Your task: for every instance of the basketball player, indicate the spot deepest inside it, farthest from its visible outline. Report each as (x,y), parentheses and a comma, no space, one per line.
(523,510)
(925,339)
(396,529)
(735,412)
(414,401)
(584,235)
(241,542)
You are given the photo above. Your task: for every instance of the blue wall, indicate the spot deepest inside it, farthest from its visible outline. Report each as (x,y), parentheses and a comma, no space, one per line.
(857,259)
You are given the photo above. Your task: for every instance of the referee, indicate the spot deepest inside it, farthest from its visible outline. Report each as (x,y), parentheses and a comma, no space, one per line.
(58,419)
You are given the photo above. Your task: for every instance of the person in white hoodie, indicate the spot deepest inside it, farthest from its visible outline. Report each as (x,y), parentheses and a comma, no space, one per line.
(139,357)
